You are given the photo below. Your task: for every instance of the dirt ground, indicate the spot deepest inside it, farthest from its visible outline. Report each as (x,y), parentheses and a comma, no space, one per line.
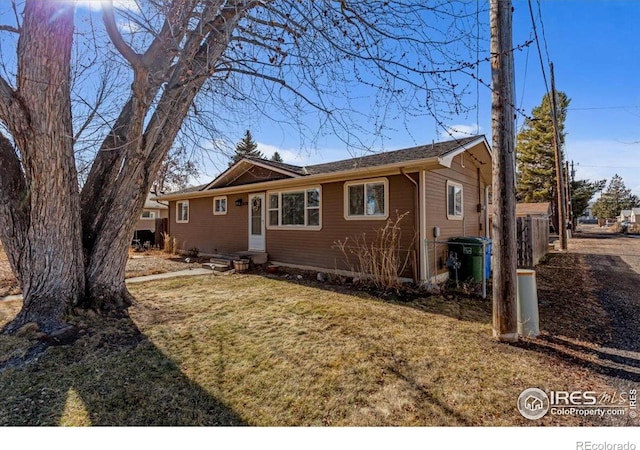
(589,305)
(139,264)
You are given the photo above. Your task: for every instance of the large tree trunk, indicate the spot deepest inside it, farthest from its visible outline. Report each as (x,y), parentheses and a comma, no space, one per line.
(49,261)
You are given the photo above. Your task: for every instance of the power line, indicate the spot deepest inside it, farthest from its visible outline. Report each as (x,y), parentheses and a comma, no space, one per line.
(537,39)
(544,37)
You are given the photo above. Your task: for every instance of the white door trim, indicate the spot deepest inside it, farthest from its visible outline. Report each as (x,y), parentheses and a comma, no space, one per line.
(257,242)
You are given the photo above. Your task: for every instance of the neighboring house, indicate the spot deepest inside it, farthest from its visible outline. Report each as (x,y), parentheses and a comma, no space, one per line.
(146,227)
(296,215)
(625,216)
(635,215)
(542,209)
(587,216)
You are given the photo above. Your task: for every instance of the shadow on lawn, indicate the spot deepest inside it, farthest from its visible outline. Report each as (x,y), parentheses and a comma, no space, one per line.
(112,377)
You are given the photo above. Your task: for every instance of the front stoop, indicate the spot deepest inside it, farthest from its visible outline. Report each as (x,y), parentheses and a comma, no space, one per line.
(223,262)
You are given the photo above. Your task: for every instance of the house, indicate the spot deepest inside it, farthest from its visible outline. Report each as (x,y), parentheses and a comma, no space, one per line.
(625,216)
(297,215)
(146,228)
(542,209)
(634,216)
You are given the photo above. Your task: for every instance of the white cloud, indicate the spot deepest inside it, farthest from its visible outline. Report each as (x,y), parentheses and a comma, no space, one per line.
(460,131)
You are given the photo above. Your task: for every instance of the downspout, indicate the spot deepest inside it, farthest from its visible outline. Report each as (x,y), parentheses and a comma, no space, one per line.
(416,222)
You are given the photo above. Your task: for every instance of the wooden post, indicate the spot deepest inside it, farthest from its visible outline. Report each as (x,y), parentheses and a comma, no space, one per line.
(562,206)
(567,179)
(505,325)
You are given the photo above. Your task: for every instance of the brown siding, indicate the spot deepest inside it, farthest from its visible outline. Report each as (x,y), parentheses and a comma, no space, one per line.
(256,174)
(317,248)
(436,205)
(211,234)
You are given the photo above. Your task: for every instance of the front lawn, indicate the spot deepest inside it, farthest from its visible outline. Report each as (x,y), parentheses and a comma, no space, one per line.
(247,349)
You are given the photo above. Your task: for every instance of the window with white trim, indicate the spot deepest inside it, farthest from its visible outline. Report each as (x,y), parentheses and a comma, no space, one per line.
(366,199)
(455,209)
(220,205)
(182,211)
(298,208)
(147,215)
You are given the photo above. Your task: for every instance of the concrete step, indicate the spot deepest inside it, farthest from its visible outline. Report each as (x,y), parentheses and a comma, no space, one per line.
(216,267)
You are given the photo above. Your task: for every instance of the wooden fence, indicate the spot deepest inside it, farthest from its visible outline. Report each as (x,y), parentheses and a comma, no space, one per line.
(533,240)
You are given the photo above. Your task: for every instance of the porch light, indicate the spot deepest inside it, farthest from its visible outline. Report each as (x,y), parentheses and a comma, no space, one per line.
(239,202)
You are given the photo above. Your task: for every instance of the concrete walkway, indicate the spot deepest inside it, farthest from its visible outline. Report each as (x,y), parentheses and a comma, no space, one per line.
(157,276)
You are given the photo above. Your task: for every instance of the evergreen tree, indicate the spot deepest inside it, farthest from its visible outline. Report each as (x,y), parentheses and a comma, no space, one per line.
(616,198)
(535,155)
(246,147)
(276,157)
(582,191)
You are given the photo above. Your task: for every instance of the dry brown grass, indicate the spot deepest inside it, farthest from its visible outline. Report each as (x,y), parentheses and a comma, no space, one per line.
(249,349)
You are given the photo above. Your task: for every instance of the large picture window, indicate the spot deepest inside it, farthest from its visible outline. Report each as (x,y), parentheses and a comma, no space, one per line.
(182,211)
(366,199)
(455,210)
(147,215)
(299,208)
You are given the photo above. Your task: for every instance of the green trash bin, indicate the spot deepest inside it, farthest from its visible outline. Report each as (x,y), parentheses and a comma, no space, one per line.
(469,251)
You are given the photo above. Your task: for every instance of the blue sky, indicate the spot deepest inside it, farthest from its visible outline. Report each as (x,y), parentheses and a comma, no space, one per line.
(595,48)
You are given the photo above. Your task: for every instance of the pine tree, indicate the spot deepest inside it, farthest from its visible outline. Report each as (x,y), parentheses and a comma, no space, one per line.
(582,191)
(535,156)
(247,147)
(616,198)
(276,157)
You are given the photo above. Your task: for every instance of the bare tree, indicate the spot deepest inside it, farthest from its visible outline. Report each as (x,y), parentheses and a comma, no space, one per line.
(68,245)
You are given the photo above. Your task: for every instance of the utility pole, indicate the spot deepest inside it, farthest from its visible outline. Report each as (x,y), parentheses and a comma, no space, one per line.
(505,287)
(561,199)
(568,194)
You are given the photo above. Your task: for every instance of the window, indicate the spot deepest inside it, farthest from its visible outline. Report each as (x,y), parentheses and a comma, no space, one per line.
(219,205)
(182,211)
(299,208)
(454,201)
(148,215)
(366,199)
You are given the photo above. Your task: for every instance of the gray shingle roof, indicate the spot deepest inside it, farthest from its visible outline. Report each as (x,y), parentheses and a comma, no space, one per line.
(379,159)
(376,159)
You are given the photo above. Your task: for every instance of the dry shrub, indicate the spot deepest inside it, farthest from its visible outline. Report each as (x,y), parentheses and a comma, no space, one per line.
(174,246)
(379,259)
(167,243)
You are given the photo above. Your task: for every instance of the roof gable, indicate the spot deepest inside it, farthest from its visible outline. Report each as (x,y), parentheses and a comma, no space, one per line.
(263,170)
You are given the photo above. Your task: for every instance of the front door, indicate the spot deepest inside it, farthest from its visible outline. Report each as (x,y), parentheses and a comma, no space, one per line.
(256,222)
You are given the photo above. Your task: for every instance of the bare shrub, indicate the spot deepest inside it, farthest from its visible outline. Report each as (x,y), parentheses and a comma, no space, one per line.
(167,243)
(379,259)
(174,246)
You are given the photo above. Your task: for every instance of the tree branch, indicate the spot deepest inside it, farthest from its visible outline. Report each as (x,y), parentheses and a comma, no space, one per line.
(9,28)
(116,38)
